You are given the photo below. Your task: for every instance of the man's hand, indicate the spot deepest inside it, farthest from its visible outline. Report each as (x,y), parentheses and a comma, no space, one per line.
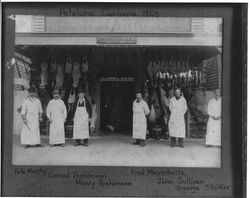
(50,120)
(64,119)
(215,118)
(24,121)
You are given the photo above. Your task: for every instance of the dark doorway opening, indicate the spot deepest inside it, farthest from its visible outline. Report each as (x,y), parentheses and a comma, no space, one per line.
(116,107)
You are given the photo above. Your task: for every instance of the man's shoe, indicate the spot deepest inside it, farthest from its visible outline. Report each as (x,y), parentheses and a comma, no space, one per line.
(173,142)
(40,145)
(78,143)
(86,142)
(137,142)
(143,143)
(181,145)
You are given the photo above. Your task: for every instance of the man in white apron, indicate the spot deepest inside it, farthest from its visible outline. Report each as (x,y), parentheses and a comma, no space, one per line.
(82,117)
(140,110)
(178,107)
(57,113)
(31,115)
(213,136)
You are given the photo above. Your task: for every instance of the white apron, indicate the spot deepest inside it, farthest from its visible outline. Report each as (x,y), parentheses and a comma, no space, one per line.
(177,121)
(81,123)
(213,136)
(30,134)
(56,110)
(140,110)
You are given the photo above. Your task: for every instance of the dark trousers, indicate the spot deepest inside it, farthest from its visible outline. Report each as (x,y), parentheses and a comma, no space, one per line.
(84,141)
(174,140)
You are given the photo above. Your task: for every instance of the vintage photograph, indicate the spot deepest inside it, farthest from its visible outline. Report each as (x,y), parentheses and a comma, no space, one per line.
(117,90)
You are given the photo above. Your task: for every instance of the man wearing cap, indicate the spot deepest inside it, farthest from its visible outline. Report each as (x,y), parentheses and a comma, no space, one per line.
(213,136)
(140,110)
(83,114)
(31,115)
(178,107)
(57,113)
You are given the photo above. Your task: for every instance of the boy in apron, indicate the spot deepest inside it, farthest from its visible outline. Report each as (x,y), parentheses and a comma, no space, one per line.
(140,111)
(82,117)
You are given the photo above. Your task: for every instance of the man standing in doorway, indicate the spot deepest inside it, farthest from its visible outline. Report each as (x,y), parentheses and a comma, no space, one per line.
(140,110)
(213,137)
(178,108)
(82,116)
(31,114)
(57,113)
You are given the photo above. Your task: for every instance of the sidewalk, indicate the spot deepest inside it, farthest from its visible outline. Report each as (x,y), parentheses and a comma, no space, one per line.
(118,151)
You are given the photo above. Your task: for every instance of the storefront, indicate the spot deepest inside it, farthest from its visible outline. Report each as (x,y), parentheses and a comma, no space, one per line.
(113,57)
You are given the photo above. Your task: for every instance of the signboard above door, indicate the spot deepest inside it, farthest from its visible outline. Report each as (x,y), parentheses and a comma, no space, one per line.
(116,40)
(116,79)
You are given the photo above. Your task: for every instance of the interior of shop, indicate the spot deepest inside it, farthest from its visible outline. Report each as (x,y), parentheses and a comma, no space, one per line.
(112,75)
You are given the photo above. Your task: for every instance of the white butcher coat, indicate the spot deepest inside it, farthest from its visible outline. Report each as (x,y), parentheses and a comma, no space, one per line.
(30,134)
(177,121)
(140,110)
(213,136)
(56,110)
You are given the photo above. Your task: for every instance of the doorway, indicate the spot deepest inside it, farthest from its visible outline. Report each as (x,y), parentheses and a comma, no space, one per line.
(116,107)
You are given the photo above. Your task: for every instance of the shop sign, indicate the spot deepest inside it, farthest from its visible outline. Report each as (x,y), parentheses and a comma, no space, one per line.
(84,25)
(116,40)
(116,79)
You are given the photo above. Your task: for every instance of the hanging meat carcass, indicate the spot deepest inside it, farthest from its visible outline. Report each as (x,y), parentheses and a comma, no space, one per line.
(76,72)
(152,71)
(60,73)
(156,111)
(84,70)
(152,116)
(166,68)
(162,66)
(186,66)
(145,90)
(71,99)
(162,100)
(178,66)
(68,66)
(68,74)
(84,65)
(53,68)
(44,74)
(94,117)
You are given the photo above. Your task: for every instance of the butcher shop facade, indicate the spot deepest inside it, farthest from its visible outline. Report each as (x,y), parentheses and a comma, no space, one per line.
(113,57)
